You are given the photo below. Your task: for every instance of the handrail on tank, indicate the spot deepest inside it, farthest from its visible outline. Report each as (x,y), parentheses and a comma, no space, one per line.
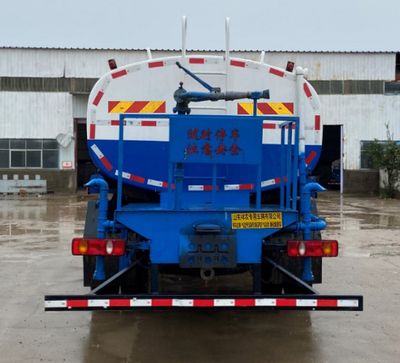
(289,156)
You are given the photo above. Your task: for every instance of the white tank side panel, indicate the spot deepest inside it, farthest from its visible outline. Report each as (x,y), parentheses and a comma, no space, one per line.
(363,118)
(35,115)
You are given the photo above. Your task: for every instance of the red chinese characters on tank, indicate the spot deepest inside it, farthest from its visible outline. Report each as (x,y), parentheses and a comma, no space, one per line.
(213,143)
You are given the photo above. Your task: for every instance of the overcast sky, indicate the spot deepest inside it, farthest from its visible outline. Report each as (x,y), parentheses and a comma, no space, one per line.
(371,25)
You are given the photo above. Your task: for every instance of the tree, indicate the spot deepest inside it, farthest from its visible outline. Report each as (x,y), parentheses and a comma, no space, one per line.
(386,156)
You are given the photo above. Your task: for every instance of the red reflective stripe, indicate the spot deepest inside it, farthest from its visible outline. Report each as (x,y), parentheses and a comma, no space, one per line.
(317,122)
(115,123)
(289,106)
(165,185)
(201,303)
(307,90)
(276,72)
(238,63)
(161,108)
(196,60)
(77,303)
(285,302)
(92,131)
(106,163)
(111,105)
(269,126)
(149,123)
(98,97)
(311,157)
(137,179)
(246,186)
(277,180)
(156,64)
(119,303)
(245,302)
(208,187)
(120,73)
(241,110)
(136,106)
(161,302)
(327,303)
(265,108)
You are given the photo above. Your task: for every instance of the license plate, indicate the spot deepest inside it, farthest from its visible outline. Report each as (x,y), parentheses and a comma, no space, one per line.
(256,220)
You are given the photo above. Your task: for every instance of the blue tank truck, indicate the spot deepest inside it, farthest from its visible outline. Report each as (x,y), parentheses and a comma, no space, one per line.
(204,198)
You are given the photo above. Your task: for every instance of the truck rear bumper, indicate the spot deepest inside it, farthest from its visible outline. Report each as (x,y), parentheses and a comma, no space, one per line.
(183,302)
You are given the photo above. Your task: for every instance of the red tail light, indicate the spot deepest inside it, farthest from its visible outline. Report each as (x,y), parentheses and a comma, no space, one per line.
(319,248)
(98,247)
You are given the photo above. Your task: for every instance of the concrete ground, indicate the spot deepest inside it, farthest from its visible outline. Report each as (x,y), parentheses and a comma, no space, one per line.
(35,260)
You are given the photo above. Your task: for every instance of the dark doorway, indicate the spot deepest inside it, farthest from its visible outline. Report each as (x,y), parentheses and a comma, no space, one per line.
(85,167)
(329,167)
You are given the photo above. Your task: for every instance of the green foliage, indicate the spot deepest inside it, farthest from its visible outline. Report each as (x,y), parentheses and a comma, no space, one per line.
(386,156)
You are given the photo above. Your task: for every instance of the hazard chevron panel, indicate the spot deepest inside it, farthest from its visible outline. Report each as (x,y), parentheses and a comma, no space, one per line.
(242,302)
(266,108)
(136,107)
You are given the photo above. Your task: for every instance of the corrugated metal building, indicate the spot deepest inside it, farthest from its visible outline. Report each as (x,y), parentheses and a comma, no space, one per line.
(43,95)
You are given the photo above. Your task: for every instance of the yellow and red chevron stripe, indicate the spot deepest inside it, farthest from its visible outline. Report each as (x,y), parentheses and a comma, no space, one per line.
(136,107)
(265,108)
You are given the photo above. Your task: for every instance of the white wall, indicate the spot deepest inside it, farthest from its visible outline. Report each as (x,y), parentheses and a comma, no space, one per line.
(37,115)
(363,118)
(93,63)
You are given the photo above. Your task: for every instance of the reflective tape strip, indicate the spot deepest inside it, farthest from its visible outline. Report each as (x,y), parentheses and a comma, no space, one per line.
(238,186)
(200,188)
(312,303)
(245,302)
(92,131)
(307,90)
(265,302)
(135,178)
(310,157)
(101,157)
(269,125)
(347,303)
(136,106)
(266,108)
(141,302)
(99,303)
(224,302)
(236,63)
(276,72)
(196,60)
(119,74)
(327,303)
(120,303)
(203,303)
(306,302)
(182,302)
(286,302)
(317,122)
(157,183)
(266,183)
(161,302)
(55,304)
(156,64)
(98,98)
(77,304)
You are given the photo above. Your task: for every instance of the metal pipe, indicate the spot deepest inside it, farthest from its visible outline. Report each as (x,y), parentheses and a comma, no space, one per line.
(184,28)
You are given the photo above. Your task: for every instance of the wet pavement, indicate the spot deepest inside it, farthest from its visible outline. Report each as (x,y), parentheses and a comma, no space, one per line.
(35,260)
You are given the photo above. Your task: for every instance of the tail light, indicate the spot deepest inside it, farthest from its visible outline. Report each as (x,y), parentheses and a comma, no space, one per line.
(112,64)
(98,247)
(319,248)
(290,66)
